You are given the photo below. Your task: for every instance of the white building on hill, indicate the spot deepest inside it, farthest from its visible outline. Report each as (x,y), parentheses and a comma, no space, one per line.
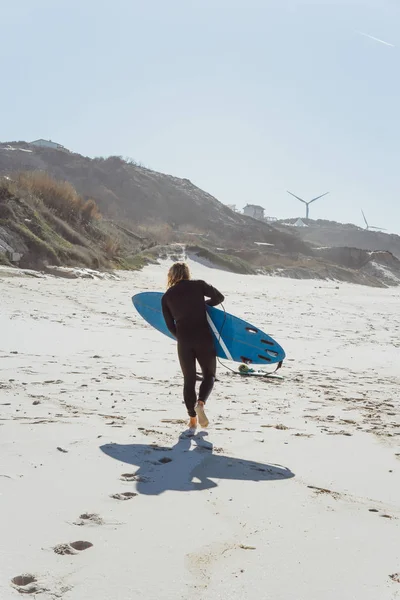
(253,210)
(48,144)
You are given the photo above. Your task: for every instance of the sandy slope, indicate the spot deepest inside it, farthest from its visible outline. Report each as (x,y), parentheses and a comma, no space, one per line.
(90,406)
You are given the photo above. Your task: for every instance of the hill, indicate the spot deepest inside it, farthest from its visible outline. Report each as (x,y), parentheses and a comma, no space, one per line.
(60,208)
(134,195)
(330,233)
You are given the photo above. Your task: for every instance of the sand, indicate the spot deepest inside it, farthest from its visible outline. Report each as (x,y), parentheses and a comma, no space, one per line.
(293,493)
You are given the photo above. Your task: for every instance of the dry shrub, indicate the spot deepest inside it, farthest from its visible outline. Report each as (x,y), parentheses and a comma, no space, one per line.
(4,190)
(89,211)
(111,248)
(6,196)
(60,196)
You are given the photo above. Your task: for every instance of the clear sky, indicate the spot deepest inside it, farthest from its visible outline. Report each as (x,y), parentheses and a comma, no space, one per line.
(246,98)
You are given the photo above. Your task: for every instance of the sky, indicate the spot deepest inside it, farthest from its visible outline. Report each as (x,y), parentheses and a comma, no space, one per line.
(247,99)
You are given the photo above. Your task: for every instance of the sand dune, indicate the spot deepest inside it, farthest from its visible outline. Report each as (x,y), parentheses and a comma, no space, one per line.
(292,493)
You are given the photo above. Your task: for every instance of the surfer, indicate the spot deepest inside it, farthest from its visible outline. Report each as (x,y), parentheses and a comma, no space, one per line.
(184,310)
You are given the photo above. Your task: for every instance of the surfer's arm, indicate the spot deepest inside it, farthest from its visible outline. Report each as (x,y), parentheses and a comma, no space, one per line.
(215,296)
(169,320)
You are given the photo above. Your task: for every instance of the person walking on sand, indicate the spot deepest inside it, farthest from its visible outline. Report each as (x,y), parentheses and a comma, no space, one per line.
(184,310)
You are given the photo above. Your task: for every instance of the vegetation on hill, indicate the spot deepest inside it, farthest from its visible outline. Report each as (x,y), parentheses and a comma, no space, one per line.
(48,222)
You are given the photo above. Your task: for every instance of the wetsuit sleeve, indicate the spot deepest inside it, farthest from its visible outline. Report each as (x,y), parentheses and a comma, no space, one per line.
(211,292)
(168,317)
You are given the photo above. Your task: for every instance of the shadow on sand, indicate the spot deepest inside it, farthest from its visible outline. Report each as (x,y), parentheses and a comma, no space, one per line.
(182,469)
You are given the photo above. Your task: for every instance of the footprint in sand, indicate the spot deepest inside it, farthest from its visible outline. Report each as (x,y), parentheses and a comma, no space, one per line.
(124,496)
(72,548)
(89,519)
(128,477)
(63,549)
(26,584)
(133,477)
(319,490)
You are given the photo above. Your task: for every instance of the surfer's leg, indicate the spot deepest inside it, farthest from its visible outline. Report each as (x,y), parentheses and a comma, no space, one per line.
(208,364)
(187,360)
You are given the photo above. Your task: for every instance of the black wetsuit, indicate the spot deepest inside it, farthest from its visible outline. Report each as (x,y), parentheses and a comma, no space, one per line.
(184,310)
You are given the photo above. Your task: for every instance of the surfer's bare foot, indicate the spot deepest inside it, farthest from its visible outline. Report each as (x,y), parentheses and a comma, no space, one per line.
(201,414)
(193,423)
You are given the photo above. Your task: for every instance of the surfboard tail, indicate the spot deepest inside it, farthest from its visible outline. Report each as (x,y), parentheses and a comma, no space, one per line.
(219,338)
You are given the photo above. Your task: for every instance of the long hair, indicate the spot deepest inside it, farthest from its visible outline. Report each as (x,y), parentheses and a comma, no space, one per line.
(177,272)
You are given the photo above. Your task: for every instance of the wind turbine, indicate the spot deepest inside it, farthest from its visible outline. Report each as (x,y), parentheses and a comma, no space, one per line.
(369,227)
(307,203)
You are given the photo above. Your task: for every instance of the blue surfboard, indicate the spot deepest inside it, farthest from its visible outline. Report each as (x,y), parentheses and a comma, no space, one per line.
(234,338)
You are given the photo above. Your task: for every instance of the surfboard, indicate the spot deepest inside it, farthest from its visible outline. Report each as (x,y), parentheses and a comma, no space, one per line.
(235,339)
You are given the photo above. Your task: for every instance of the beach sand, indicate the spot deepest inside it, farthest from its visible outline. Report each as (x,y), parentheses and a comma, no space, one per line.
(293,493)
